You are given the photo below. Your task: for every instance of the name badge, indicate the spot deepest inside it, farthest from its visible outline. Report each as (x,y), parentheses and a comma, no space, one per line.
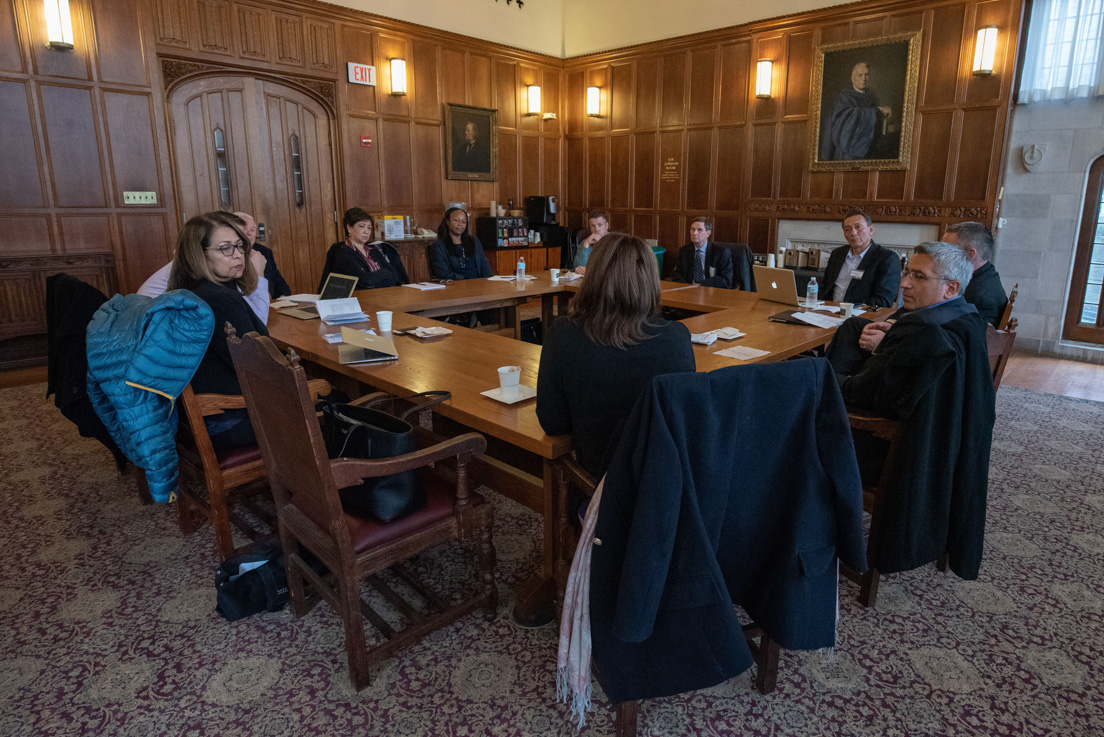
(712,271)
(856,274)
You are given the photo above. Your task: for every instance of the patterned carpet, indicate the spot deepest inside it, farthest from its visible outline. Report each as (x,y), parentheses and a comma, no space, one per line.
(107,624)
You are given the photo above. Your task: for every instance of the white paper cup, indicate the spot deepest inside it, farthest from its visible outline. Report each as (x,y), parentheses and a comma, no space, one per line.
(555,275)
(845,308)
(509,378)
(770,260)
(383,321)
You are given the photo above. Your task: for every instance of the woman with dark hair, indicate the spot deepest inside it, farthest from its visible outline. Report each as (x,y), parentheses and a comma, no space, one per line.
(375,263)
(213,262)
(456,254)
(599,358)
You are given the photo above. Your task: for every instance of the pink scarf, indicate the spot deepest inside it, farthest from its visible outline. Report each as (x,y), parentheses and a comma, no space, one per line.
(573,664)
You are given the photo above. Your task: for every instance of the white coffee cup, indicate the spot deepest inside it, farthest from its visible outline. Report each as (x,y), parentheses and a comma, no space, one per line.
(383,320)
(509,378)
(845,308)
(770,260)
(555,275)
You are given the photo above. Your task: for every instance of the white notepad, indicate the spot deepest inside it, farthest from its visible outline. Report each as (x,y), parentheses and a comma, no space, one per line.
(742,353)
(820,321)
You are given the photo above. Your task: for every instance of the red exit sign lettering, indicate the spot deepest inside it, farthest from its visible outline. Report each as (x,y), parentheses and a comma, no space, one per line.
(362,74)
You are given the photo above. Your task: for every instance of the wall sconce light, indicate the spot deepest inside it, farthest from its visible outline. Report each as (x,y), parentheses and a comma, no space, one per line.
(398,77)
(763,78)
(534,99)
(59,24)
(985,51)
(594,101)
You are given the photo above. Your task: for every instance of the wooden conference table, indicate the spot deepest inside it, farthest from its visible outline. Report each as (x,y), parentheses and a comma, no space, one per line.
(465,363)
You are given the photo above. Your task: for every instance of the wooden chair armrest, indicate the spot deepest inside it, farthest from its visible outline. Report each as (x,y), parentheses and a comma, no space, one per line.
(214,404)
(318,388)
(351,471)
(370,399)
(577,476)
(885,428)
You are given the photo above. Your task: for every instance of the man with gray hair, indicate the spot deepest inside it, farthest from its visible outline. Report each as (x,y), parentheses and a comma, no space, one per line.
(927,366)
(985,291)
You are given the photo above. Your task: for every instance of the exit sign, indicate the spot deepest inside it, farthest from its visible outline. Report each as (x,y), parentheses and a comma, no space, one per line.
(362,74)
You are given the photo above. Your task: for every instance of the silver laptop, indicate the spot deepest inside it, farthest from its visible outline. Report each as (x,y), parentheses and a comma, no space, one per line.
(367,349)
(337,286)
(776,285)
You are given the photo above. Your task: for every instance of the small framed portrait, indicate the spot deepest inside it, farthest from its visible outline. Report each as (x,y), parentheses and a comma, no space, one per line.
(864,103)
(471,142)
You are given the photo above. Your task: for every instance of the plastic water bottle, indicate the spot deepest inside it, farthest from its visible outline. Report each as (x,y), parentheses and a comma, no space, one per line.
(521,270)
(811,292)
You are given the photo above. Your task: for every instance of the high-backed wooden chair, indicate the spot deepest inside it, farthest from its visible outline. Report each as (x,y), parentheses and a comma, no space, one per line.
(999,347)
(1006,316)
(305,485)
(569,475)
(211,479)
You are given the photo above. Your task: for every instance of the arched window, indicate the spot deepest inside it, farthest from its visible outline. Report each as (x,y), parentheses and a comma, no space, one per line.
(1085,309)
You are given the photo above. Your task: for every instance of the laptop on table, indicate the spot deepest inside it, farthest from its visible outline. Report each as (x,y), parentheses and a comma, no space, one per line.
(337,286)
(778,285)
(360,347)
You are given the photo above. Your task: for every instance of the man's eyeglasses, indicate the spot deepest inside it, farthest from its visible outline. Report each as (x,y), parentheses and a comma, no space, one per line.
(919,276)
(227,249)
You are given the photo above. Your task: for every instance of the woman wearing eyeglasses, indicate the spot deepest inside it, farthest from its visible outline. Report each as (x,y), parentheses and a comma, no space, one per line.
(456,254)
(213,262)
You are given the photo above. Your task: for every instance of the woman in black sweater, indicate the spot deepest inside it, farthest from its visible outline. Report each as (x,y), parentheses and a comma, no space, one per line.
(456,254)
(375,264)
(599,358)
(213,262)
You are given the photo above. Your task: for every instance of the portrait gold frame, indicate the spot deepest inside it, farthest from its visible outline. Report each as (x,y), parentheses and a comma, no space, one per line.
(456,117)
(911,74)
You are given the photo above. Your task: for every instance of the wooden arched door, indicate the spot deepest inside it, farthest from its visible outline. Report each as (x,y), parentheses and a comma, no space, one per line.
(262,147)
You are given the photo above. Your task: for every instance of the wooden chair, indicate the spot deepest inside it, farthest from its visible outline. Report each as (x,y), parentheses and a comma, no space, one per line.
(305,485)
(1006,316)
(570,475)
(999,347)
(225,475)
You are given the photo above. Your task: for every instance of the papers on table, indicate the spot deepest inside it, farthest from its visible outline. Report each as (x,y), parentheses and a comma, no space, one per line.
(820,321)
(703,338)
(302,298)
(742,353)
(340,311)
(510,277)
(429,332)
(570,276)
(280,304)
(710,337)
(425,285)
(729,333)
(836,310)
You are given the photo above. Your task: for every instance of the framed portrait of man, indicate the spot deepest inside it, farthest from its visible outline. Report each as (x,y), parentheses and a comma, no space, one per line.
(471,142)
(864,103)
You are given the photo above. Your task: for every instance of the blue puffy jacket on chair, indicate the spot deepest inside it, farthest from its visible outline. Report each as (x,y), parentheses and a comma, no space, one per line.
(142,353)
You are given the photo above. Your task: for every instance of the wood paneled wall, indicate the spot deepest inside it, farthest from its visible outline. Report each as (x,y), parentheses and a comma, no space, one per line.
(681,132)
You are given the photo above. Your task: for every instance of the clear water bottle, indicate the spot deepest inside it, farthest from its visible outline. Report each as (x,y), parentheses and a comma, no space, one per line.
(521,270)
(811,292)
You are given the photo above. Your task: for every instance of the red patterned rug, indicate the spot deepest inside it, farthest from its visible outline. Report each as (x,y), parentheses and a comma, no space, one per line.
(107,623)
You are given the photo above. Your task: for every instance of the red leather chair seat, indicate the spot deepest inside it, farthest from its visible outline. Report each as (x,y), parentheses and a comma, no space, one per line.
(234,457)
(368,532)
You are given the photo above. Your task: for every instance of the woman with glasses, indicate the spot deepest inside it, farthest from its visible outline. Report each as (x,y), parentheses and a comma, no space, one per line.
(456,254)
(212,261)
(376,264)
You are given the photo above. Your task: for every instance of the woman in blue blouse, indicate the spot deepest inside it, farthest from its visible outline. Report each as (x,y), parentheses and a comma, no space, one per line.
(456,254)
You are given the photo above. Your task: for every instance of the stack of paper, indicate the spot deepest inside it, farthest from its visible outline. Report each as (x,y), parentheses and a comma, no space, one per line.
(820,321)
(340,311)
(703,338)
(509,277)
(742,353)
(570,276)
(429,332)
(425,285)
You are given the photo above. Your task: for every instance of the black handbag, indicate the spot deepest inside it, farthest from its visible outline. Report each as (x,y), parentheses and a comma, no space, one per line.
(250,583)
(356,431)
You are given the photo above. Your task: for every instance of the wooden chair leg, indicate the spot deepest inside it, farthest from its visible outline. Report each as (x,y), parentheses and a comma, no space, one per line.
(766,665)
(868,590)
(487,562)
(356,646)
(220,518)
(186,514)
(144,496)
(625,717)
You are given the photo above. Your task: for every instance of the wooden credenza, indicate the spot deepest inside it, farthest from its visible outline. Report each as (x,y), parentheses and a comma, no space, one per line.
(23,300)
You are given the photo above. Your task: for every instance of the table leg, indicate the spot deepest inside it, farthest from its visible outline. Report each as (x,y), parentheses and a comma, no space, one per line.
(535,605)
(547,312)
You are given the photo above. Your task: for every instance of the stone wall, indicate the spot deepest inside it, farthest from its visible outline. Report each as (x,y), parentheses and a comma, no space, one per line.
(1042,208)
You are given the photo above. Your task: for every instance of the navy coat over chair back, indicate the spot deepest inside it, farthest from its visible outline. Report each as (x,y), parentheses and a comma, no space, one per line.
(734,486)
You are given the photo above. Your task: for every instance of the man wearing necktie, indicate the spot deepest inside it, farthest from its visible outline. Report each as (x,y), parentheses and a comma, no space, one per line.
(703,262)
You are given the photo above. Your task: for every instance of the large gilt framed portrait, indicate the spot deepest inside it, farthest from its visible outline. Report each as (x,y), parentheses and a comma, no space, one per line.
(471,142)
(864,103)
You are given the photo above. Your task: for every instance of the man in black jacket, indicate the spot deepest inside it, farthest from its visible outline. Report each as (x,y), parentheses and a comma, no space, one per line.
(862,272)
(985,290)
(927,366)
(277,287)
(702,262)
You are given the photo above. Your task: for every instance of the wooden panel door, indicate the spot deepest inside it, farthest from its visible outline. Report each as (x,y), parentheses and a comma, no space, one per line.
(264,148)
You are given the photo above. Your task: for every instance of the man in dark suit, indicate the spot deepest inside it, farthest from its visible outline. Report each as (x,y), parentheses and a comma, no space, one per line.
(471,155)
(862,272)
(702,262)
(277,287)
(985,291)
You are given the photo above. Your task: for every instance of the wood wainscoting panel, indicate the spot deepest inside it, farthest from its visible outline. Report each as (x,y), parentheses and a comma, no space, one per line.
(11,50)
(359,45)
(73,63)
(481,93)
(506,93)
(975,157)
(731,145)
(576,165)
(989,87)
(170,23)
(762,160)
(672,168)
(215,33)
(289,47)
(703,80)
(599,77)
(597,168)
(699,158)
(795,139)
(735,68)
(647,92)
(508,185)
(252,32)
(133,151)
(620,95)
(644,170)
(891,185)
(671,235)
(427,98)
(428,155)
(322,45)
(576,103)
(362,166)
(530,155)
(944,51)
(121,56)
(553,100)
(393,47)
(855,185)
(932,137)
(551,168)
(25,235)
(673,90)
(454,80)
(768,47)
(397,164)
(798,72)
(620,170)
(73,146)
(21,176)
(759,235)
(526,122)
(85,234)
(140,246)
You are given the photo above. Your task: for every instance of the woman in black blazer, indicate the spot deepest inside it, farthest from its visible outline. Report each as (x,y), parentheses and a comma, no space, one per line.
(376,264)
(456,254)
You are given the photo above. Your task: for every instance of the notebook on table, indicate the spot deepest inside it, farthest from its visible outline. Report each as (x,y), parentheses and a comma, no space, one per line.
(337,286)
